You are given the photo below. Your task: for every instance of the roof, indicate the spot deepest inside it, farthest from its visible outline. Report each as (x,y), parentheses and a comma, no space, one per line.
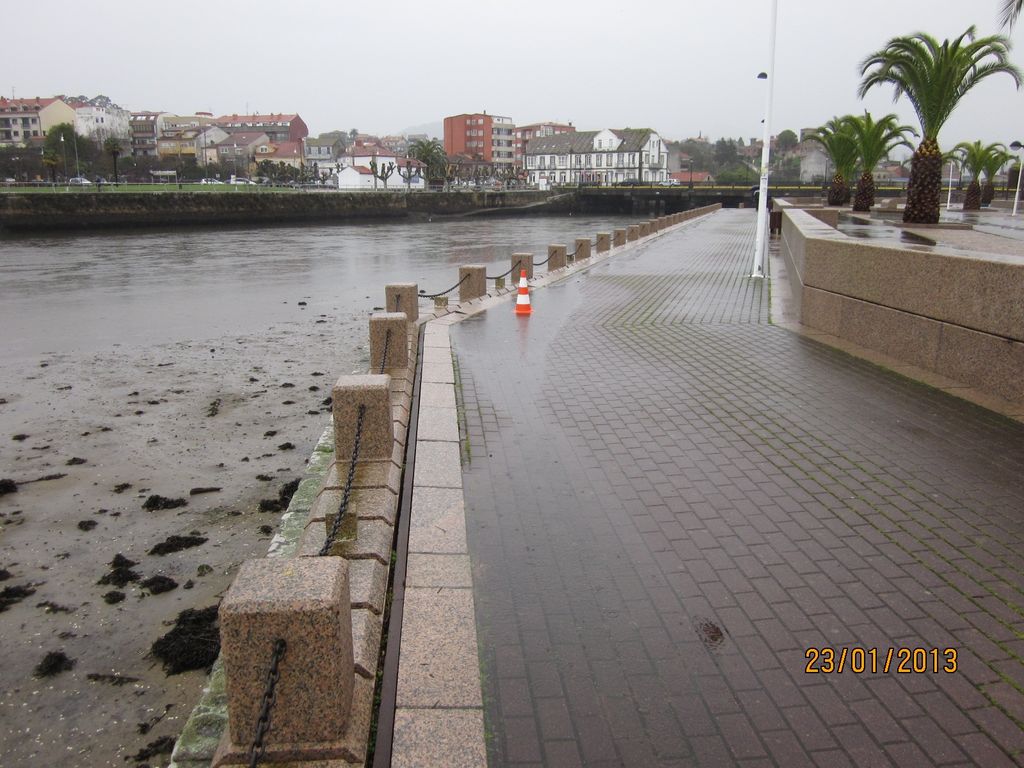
(358,168)
(35,103)
(256,118)
(578,142)
(684,176)
(288,148)
(243,137)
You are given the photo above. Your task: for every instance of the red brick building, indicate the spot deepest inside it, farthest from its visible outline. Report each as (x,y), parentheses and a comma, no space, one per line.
(277,127)
(526,132)
(480,136)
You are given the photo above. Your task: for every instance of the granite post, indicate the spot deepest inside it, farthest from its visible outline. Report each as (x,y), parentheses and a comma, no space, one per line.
(390,328)
(519,262)
(556,257)
(604,242)
(402,297)
(582,248)
(475,285)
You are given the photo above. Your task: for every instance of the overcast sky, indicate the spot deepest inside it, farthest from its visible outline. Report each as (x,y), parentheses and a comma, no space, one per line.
(682,67)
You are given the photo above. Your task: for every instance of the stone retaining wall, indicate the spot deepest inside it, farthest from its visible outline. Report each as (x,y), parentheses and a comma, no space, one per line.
(960,316)
(81,210)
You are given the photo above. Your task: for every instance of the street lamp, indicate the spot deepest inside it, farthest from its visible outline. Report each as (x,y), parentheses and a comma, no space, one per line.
(762,201)
(1016,147)
(64,150)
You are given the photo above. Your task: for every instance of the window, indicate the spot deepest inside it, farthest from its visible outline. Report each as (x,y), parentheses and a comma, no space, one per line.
(599,161)
(552,161)
(588,161)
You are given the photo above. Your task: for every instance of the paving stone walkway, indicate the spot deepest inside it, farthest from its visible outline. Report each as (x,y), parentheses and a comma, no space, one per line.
(669,501)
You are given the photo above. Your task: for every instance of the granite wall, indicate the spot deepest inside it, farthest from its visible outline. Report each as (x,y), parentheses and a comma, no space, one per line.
(961,316)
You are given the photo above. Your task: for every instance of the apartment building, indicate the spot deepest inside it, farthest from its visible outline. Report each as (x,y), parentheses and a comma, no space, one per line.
(602,157)
(490,138)
(22,120)
(525,133)
(278,127)
(145,128)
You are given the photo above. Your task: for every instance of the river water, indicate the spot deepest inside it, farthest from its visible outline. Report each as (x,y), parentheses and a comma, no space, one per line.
(157,362)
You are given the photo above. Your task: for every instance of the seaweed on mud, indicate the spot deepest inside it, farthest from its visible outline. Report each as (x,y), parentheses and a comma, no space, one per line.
(87,525)
(156,501)
(14,594)
(121,572)
(176,544)
(51,607)
(74,461)
(113,596)
(204,489)
(162,746)
(158,584)
(193,643)
(8,486)
(284,497)
(122,487)
(52,664)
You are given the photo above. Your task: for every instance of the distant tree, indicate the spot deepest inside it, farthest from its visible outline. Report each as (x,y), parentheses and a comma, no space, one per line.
(86,149)
(995,161)
(725,153)
(839,144)
(786,140)
(353,133)
(737,173)
(975,157)
(112,147)
(382,172)
(51,160)
(700,152)
(874,140)
(431,153)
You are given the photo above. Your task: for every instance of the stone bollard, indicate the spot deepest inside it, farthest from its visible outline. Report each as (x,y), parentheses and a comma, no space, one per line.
(645,228)
(499,283)
(390,327)
(556,257)
(619,238)
(377,437)
(440,302)
(402,297)
(655,225)
(582,248)
(519,262)
(632,232)
(604,242)
(475,285)
(304,602)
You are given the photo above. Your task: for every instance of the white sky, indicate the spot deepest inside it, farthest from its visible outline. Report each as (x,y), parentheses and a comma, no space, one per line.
(679,66)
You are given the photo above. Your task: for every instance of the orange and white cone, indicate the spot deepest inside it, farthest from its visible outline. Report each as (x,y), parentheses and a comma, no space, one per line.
(523,299)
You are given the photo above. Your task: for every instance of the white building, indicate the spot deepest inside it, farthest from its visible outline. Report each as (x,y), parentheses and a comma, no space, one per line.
(603,157)
(813,162)
(353,177)
(101,123)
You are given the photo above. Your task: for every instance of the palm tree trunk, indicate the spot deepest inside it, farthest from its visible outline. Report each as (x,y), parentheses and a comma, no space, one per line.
(972,200)
(865,193)
(114,154)
(988,193)
(925,185)
(837,190)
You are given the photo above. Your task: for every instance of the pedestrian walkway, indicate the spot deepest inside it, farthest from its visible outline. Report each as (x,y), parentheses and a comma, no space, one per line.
(671,502)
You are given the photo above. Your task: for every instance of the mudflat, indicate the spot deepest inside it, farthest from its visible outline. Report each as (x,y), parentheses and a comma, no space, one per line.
(136,481)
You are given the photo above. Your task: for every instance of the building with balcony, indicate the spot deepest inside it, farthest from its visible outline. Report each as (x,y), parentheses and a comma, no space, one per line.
(278,128)
(283,153)
(525,133)
(489,138)
(100,123)
(323,153)
(144,129)
(602,157)
(22,120)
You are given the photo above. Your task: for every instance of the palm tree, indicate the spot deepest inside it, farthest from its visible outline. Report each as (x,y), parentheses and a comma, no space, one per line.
(874,140)
(112,147)
(995,161)
(431,153)
(934,77)
(837,140)
(975,157)
(1009,12)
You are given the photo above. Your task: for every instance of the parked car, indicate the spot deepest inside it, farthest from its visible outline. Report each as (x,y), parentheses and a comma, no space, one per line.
(628,183)
(78,181)
(210,181)
(242,181)
(670,183)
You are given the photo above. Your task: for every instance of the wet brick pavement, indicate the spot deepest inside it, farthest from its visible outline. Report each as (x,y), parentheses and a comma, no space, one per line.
(669,500)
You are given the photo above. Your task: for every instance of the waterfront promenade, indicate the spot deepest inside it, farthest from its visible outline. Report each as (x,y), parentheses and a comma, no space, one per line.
(674,506)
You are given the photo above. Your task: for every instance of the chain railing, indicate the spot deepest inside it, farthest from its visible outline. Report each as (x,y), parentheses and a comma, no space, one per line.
(384,355)
(343,507)
(443,293)
(258,747)
(503,274)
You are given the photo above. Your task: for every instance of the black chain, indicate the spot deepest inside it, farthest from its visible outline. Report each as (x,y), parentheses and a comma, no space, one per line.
(384,357)
(257,748)
(498,277)
(542,263)
(442,293)
(343,507)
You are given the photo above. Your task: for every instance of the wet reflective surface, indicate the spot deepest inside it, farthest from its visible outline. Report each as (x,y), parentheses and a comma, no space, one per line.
(86,292)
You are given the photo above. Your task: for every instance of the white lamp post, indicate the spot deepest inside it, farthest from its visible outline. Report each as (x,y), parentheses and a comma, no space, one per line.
(1016,147)
(762,199)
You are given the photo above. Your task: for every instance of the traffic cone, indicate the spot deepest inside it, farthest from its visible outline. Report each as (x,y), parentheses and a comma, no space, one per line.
(523,299)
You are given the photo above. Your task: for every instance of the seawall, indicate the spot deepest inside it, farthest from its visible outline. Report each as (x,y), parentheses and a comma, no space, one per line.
(110,209)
